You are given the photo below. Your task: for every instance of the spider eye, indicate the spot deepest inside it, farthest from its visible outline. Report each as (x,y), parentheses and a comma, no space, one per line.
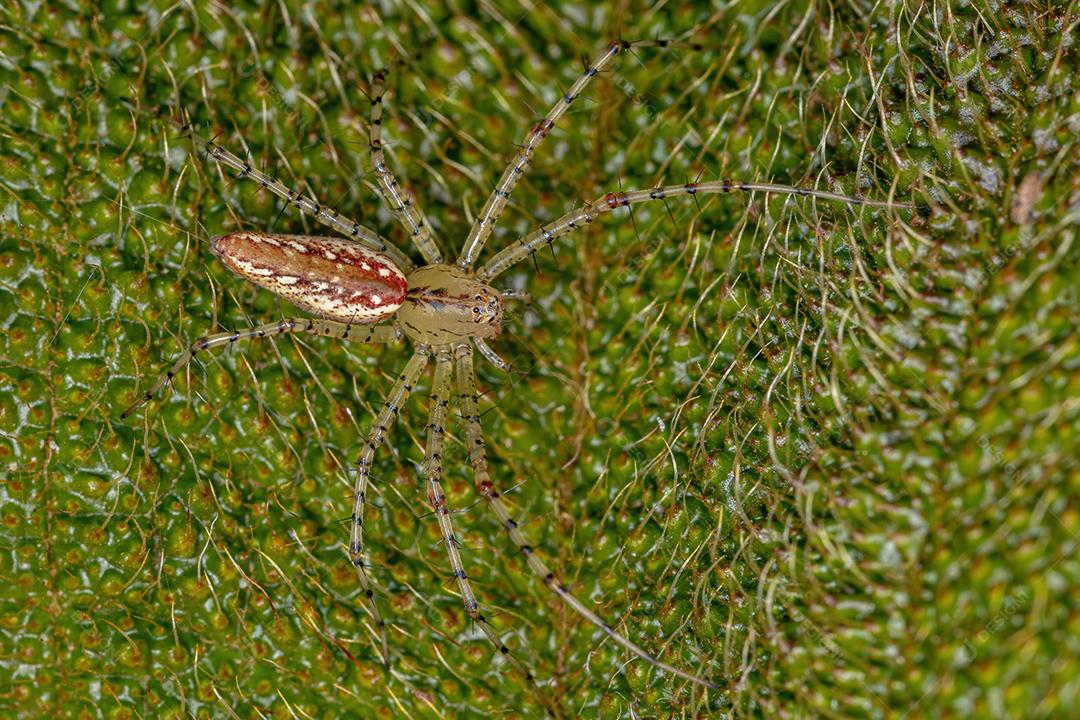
(475,310)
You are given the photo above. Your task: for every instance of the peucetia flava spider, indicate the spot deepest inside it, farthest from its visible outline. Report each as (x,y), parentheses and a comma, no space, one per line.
(362,287)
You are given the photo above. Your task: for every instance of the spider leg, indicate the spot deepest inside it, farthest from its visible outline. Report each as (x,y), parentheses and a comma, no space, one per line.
(440,402)
(547,234)
(330,328)
(490,355)
(489,214)
(478,458)
(399,393)
(521,296)
(323,214)
(401,204)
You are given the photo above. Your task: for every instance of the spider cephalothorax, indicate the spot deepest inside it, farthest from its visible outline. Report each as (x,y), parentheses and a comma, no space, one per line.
(447,304)
(354,284)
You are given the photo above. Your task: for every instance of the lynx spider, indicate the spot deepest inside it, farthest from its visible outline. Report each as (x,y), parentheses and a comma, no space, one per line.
(446,309)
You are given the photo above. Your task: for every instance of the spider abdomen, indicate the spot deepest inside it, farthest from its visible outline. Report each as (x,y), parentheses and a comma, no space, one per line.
(334,278)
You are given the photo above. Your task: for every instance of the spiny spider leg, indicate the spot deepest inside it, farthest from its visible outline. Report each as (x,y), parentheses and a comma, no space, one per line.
(331,328)
(399,393)
(474,435)
(323,214)
(403,206)
(546,234)
(440,401)
(489,215)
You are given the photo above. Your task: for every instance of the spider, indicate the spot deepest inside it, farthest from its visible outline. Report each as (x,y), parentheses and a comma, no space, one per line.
(364,288)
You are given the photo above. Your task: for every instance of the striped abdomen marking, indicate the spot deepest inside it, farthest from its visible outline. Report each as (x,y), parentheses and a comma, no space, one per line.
(333,278)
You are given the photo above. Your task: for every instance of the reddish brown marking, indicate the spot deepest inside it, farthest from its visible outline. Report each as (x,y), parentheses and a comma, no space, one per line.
(541,129)
(616,200)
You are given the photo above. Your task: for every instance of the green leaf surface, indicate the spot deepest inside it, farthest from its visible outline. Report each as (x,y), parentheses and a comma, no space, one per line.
(824,456)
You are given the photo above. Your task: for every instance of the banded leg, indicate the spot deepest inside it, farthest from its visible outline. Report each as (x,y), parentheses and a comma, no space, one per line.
(383,422)
(440,398)
(489,214)
(478,458)
(325,215)
(546,234)
(329,328)
(401,204)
